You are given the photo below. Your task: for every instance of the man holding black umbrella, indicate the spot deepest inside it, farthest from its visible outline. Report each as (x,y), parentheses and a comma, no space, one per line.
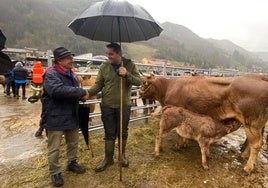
(60,103)
(108,82)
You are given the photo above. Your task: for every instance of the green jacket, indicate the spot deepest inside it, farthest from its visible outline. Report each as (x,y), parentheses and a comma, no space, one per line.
(108,82)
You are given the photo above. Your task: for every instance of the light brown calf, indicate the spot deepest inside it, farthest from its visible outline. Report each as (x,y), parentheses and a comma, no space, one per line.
(85,81)
(201,128)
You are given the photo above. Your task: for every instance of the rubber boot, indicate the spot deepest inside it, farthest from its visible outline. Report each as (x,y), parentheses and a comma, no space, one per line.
(109,154)
(125,162)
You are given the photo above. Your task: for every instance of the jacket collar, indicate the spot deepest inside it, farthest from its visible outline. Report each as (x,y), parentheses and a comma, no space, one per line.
(62,71)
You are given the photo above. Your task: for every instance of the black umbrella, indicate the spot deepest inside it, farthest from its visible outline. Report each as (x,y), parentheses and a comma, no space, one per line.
(2,40)
(5,63)
(83,123)
(116,21)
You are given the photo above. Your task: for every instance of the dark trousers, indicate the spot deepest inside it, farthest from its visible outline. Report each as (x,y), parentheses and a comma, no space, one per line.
(10,85)
(111,121)
(17,87)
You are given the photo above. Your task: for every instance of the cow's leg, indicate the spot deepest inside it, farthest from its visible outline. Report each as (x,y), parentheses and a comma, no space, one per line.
(158,141)
(208,151)
(254,137)
(4,86)
(245,144)
(266,148)
(203,147)
(181,142)
(158,138)
(91,110)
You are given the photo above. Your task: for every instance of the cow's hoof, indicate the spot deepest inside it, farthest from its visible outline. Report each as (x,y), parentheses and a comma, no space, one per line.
(244,173)
(205,167)
(248,169)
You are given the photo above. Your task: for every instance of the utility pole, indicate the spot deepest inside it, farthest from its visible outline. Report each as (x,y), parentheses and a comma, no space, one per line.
(49,59)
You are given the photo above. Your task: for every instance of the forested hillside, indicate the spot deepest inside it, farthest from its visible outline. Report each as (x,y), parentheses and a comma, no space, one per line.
(44,25)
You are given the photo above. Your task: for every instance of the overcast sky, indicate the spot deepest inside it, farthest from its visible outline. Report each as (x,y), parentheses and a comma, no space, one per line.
(244,22)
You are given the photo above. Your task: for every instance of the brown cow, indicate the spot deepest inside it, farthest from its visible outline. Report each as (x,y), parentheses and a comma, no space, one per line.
(244,98)
(3,82)
(201,128)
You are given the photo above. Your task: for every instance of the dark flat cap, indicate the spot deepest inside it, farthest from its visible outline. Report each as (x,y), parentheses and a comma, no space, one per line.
(60,53)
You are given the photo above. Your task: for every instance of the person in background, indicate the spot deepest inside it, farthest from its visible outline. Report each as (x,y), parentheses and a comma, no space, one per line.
(37,81)
(60,103)
(37,75)
(20,75)
(10,84)
(108,82)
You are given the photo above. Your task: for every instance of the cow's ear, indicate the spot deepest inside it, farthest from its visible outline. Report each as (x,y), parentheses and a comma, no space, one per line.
(144,80)
(152,75)
(146,75)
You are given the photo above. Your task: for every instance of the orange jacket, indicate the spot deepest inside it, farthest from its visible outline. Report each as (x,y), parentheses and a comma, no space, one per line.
(37,73)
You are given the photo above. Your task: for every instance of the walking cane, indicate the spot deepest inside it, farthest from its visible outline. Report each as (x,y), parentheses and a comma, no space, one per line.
(121,125)
(90,146)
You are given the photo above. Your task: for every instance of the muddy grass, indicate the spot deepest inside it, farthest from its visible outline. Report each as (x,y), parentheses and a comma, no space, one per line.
(171,169)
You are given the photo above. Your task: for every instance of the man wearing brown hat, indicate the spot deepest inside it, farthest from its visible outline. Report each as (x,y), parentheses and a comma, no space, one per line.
(60,103)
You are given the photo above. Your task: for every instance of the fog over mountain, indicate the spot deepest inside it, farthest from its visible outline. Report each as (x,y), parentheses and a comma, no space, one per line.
(43,25)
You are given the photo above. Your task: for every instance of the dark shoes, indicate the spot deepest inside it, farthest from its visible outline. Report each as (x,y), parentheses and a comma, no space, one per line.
(76,168)
(57,180)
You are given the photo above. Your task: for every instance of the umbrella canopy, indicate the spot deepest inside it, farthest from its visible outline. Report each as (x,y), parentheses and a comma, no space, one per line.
(2,40)
(115,21)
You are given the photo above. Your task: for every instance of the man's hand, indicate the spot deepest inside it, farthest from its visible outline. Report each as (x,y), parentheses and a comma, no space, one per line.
(122,71)
(85,97)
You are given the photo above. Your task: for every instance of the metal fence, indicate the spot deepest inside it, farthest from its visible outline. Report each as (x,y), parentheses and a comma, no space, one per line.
(139,112)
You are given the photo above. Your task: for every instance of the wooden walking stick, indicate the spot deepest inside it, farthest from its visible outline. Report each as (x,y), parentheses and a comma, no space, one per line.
(89,146)
(121,126)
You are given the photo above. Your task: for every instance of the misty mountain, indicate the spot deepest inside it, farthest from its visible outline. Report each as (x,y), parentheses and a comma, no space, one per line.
(262,55)
(43,25)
